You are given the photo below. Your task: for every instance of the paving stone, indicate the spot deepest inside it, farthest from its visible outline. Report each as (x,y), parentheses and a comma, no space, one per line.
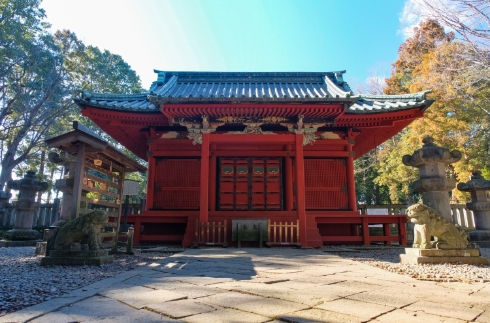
(136,316)
(203,281)
(445,309)
(322,280)
(352,307)
(179,309)
(138,297)
(344,289)
(484,318)
(403,316)
(189,290)
(54,317)
(295,285)
(270,307)
(94,308)
(226,315)
(383,297)
(229,299)
(319,316)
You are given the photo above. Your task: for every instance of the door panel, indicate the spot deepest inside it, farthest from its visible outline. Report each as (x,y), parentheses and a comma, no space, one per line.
(253,183)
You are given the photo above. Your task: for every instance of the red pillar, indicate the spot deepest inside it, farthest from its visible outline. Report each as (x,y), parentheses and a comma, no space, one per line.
(204,196)
(288,185)
(212,183)
(150,184)
(365,231)
(300,189)
(351,184)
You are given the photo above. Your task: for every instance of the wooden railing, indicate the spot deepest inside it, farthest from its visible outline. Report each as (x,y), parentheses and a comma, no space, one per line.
(210,234)
(460,214)
(283,234)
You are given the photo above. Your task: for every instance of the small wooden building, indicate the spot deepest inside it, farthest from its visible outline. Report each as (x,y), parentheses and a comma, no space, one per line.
(272,146)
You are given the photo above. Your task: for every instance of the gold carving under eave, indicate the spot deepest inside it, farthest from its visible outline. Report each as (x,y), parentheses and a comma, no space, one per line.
(230,119)
(273,119)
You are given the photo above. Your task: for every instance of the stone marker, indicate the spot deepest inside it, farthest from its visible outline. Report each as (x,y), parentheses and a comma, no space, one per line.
(25,207)
(479,187)
(450,244)
(431,160)
(77,242)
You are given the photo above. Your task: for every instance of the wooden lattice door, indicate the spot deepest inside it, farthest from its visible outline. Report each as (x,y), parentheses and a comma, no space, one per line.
(250,184)
(177,184)
(325,184)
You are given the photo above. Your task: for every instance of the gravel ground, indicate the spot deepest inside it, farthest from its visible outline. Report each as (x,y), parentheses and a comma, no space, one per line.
(23,282)
(389,259)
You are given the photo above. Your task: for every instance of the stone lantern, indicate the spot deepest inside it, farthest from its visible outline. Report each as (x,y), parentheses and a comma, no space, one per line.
(433,183)
(479,188)
(25,207)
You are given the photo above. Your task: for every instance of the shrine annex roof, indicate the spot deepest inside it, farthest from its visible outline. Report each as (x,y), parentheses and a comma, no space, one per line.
(252,87)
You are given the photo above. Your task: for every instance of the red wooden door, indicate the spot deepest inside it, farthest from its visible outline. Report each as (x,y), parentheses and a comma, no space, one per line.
(250,184)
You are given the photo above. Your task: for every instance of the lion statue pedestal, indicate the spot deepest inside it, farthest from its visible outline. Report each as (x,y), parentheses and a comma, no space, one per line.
(450,244)
(77,242)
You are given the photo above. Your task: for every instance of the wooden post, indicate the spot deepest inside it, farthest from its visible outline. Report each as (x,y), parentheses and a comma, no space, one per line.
(77,185)
(204,195)
(351,184)
(402,232)
(119,211)
(386,232)
(288,185)
(212,183)
(150,192)
(300,189)
(365,231)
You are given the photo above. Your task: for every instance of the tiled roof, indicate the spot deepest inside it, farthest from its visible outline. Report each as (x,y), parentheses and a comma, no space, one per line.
(248,87)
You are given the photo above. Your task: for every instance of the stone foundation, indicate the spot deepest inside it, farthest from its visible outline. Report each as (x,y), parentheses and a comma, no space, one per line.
(434,256)
(77,258)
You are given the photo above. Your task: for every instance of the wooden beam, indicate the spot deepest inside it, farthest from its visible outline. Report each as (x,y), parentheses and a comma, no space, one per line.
(260,138)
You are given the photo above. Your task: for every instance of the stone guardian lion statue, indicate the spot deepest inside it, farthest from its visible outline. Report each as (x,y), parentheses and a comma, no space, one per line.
(428,223)
(84,229)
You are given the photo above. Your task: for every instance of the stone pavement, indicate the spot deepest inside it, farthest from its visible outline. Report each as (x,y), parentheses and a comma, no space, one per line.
(263,285)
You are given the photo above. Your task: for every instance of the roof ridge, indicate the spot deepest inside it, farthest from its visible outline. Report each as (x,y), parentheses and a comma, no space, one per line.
(418,96)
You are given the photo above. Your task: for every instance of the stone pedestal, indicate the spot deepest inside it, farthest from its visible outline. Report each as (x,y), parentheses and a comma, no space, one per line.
(77,258)
(432,256)
(433,183)
(25,207)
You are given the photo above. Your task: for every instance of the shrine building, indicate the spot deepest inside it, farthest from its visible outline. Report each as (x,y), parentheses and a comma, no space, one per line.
(275,147)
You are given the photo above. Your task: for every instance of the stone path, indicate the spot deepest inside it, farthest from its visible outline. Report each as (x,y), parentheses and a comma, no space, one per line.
(263,285)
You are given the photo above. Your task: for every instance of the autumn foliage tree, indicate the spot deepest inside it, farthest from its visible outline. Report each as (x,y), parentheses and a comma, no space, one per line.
(436,60)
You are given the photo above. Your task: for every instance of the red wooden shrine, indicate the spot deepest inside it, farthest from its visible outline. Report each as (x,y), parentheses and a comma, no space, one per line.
(274,146)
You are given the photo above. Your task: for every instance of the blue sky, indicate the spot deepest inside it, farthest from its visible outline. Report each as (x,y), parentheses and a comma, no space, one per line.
(239,35)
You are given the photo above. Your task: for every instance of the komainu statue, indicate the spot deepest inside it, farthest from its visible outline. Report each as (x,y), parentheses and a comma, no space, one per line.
(82,230)
(428,223)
